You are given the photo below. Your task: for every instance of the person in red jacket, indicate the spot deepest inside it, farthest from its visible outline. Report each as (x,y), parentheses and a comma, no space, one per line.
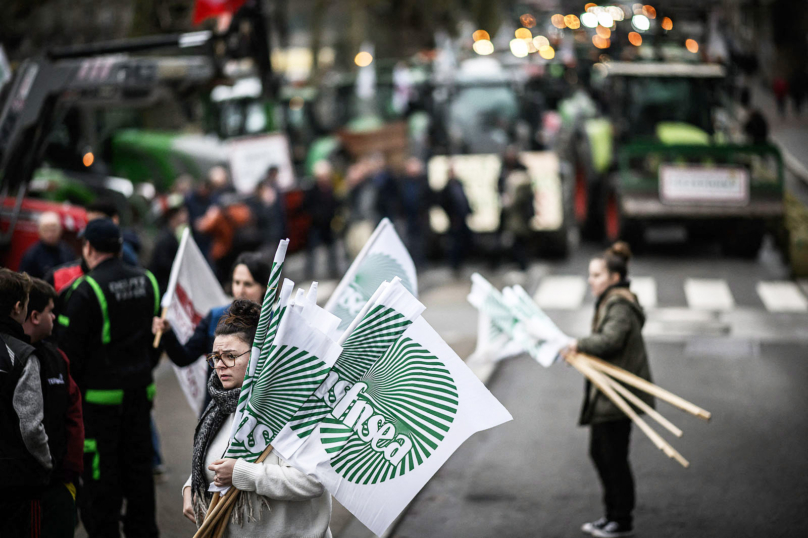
(62,415)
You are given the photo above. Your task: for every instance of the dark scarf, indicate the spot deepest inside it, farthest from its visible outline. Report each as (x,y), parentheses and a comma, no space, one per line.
(223,403)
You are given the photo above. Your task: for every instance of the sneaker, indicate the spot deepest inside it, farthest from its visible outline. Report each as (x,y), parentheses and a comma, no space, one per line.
(589,528)
(613,529)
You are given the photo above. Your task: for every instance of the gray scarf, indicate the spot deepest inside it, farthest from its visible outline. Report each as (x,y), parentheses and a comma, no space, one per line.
(223,403)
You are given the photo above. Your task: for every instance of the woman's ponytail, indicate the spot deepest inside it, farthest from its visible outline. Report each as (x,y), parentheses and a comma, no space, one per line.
(617,257)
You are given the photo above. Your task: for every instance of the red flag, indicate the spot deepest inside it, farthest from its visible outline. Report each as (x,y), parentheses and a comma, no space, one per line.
(205,9)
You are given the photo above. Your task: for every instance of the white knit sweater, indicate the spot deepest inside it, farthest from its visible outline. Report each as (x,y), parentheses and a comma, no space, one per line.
(299,506)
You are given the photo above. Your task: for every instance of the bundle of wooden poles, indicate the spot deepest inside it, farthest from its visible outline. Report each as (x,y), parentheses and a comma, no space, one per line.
(605,377)
(220,508)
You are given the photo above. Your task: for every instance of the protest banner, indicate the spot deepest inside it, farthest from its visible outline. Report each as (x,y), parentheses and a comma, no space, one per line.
(382,258)
(388,433)
(192,291)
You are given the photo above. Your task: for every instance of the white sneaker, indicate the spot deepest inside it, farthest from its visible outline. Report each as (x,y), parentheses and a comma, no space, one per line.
(613,529)
(589,528)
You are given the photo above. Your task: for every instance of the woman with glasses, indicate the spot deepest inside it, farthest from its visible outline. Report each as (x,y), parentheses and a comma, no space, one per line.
(249,278)
(277,499)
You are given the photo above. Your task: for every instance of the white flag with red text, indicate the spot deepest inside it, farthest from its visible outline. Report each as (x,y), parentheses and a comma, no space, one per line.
(192,292)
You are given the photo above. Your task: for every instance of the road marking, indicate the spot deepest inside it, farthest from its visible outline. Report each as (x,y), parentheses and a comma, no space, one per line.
(645,288)
(782,296)
(561,292)
(708,294)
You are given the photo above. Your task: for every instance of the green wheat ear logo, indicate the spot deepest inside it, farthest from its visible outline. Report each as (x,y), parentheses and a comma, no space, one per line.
(372,273)
(393,418)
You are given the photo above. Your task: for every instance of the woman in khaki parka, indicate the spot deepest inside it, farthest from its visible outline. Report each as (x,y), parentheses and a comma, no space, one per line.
(616,338)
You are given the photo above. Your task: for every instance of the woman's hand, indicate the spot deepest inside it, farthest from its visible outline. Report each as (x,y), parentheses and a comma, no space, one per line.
(223,470)
(188,504)
(159,325)
(571,349)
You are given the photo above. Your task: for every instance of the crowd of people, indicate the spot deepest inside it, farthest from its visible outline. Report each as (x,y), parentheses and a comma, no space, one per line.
(78,358)
(77,389)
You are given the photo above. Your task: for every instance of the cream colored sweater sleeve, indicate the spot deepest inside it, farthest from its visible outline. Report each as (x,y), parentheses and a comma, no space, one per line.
(278,481)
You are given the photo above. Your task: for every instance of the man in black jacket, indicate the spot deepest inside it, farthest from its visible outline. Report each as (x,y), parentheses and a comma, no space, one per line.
(24,451)
(105,329)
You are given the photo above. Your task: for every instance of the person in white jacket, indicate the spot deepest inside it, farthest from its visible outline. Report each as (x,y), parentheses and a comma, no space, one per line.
(278,500)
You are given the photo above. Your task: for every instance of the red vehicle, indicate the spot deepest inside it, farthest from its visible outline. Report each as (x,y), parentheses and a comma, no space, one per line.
(25,233)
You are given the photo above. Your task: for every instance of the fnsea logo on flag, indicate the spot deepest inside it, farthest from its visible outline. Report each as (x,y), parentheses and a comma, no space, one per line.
(392,419)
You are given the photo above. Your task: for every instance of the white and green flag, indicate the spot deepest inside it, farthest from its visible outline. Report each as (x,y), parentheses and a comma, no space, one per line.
(271,314)
(388,431)
(512,323)
(384,318)
(291,368)
(383,258)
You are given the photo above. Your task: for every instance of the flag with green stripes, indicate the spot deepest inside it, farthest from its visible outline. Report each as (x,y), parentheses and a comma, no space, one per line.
(376,328)
(387,432)
(269,318)
(288,370)
(382,258)
(513,313)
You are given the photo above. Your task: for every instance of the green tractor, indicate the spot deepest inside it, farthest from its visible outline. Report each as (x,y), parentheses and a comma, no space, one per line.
(669,152)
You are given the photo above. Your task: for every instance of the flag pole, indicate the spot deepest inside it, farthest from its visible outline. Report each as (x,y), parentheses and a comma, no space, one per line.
(598,379)
(225,505)
(159,334)
(644,407)
(646,386)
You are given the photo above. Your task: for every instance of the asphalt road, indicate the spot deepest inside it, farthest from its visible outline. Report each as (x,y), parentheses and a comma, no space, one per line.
(532,477)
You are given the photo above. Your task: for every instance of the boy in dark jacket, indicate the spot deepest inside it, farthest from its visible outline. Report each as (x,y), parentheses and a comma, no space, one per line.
(63,417)
(23,441)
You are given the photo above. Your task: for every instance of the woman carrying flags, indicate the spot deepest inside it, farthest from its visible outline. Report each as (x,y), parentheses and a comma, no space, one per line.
(616,338)
(277,500)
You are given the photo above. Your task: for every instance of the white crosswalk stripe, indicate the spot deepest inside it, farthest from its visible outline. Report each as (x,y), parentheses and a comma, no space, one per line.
(708,294)
(561,292)
(568,292)
(782,296)
(645,288)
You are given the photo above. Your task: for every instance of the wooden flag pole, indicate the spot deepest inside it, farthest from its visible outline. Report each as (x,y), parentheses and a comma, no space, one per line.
(598,379)
(213,502)
(159,334)
(646,386)
(644,407)
(212,516)
(219,530)
(224,507)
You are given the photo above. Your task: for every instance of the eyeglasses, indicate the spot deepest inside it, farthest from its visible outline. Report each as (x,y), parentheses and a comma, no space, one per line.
(227,359)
